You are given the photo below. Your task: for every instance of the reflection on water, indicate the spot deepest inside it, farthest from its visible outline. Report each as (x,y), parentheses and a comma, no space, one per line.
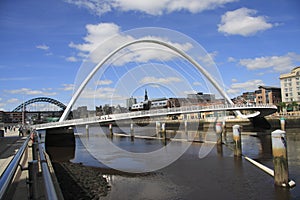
(217,176)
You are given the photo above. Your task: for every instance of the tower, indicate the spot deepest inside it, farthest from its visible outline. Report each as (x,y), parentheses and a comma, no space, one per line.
(146,95)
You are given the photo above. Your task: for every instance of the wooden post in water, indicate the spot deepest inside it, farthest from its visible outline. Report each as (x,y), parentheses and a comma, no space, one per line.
(157,127)
(224,133)
(186,130)
(164,133)
(237,140)
(282,123)
(131,132)
(110,130)
(281,174)
(87,130)
(219,133)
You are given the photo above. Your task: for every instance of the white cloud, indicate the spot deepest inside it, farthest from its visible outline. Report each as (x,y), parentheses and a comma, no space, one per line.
(231,59)
(165,80)
(152,7)
(196,83)
(27,91)
(72,59)
(13,100)
(100,33)
(250,85)
(103,93)
(208,59)
(278,63)
(67,87)
(43,47)
(104,82)
(243,22)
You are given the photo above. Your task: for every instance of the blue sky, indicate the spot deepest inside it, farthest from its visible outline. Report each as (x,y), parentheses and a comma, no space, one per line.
(43,42)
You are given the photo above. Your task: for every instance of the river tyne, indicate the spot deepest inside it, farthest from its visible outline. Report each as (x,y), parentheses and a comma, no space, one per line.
(217,175)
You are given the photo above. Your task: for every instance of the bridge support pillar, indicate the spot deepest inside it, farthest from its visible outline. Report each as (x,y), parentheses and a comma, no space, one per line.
(33,179)
(219,133)
(237,140)
(279,149)
(132,132)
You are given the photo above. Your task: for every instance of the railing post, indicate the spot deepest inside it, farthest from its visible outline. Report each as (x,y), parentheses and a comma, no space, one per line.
(35,145)
(237,141)
(33,179)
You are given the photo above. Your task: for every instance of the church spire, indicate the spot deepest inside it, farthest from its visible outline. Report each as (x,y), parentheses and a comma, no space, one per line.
(146,95)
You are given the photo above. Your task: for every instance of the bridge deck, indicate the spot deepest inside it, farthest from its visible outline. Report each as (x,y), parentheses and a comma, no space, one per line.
(261,110)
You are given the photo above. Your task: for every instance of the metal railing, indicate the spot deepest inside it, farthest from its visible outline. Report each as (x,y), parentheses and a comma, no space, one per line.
(8,175)
(50,192)
(10,171)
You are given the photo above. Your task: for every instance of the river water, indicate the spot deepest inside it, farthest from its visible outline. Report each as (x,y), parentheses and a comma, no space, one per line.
(217,174)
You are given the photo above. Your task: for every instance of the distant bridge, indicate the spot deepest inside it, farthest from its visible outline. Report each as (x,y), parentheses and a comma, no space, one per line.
(261,110)
(39,99)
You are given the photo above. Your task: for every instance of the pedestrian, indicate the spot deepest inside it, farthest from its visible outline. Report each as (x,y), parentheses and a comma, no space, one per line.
(21,131)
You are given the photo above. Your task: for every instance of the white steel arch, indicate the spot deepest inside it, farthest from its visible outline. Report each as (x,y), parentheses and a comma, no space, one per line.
(179,51)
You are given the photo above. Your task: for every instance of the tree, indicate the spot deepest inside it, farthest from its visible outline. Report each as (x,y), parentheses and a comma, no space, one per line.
(295,106)
(282,106)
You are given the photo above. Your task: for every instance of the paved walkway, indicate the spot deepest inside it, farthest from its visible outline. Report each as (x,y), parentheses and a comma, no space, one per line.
(9,146)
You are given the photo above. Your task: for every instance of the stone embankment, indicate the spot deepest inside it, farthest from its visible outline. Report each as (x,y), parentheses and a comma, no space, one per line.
(80,182)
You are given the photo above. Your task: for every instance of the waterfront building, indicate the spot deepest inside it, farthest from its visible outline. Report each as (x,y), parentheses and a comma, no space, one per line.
(290,86)
(201,97)
(130,102)
(268,94)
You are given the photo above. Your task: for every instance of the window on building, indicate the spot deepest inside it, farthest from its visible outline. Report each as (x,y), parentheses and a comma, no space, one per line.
(297,78)
(285,89)
(286,94)
(285,85)
(289,79)
(290,89)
